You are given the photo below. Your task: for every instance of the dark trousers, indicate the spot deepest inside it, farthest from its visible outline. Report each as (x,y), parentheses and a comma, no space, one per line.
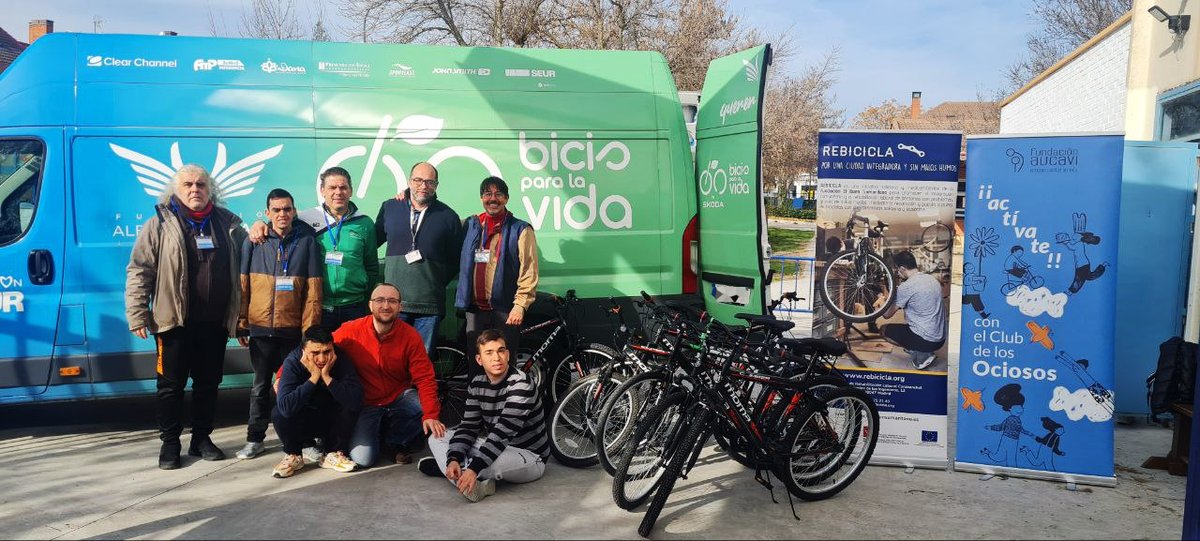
(974,300)
(196,350)
(266,356)
(330,423)
(332,318)
(900,333)
(480,321)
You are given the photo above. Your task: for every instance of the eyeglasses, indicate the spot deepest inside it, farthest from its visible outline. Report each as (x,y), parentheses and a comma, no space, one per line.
(493,194)
(431,182)
(385,300)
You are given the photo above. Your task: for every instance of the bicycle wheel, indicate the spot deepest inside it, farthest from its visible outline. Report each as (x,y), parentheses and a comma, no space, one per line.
(681,455)
(852,289)
(937,238)
(828,444)
(641,465)
(573,423)
(621,412)
(589,358)
(452,381)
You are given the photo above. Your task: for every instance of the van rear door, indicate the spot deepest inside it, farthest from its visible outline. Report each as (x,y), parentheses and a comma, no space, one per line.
(728,161)
(31,255)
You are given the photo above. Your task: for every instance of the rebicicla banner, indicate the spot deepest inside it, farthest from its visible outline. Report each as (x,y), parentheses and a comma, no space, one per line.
(885,233)
(1039,294)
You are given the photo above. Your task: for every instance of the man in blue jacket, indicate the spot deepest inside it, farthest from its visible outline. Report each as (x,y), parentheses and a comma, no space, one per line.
(319,397)
(498,267)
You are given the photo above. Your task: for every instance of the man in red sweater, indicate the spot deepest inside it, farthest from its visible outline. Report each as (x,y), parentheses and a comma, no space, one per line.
(390,358)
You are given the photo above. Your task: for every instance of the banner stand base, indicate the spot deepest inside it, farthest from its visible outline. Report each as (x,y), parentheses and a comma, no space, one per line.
(910,463)
(1069,478)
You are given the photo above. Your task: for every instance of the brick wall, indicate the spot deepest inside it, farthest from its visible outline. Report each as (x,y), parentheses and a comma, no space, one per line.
(1086,95)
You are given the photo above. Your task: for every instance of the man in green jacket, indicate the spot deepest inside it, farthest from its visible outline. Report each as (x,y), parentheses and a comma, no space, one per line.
(349,249)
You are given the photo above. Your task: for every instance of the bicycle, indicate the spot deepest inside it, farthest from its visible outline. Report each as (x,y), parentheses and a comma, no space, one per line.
(856,284)
(450,372)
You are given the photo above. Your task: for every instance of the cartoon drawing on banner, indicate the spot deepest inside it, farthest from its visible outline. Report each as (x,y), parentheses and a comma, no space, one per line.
(1019,272)
(972,399)
(1040,334)
(1095,401)
(1077,242)
(1050,442)
(983,242)
(1010,399)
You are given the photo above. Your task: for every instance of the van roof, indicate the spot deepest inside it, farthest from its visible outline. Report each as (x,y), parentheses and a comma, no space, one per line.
(139,80)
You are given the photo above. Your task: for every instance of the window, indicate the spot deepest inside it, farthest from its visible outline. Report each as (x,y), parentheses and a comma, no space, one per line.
(20,172)
(1181,118)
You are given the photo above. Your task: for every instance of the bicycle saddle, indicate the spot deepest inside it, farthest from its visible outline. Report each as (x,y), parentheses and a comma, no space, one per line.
(821,346)
(767,321)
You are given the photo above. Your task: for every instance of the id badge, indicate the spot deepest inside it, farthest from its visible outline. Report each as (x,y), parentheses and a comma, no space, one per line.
(284,283)
(483,256)
(413,257)
(333,258)
(205,243)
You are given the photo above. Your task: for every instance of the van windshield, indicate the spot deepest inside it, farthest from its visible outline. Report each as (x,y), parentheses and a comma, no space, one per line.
(20,170)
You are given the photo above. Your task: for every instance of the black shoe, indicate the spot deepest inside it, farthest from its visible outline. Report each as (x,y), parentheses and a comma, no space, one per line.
(203,447)
(168,455)
(429,466)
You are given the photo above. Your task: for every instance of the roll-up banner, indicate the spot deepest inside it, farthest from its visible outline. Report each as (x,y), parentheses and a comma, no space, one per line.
(885,226)
(1035,377)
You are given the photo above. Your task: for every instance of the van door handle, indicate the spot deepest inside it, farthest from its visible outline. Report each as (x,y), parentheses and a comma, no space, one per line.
(41,267)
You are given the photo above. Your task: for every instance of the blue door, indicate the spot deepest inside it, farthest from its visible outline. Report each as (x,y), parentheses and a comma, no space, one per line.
(32,225)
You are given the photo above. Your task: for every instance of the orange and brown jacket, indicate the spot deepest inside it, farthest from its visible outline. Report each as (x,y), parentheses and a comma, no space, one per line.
(277,312)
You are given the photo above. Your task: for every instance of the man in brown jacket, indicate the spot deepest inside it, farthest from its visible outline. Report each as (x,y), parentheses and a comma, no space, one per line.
(181,286)
(281,298)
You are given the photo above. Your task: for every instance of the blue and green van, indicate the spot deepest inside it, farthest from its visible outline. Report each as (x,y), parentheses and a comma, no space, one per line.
(592,144)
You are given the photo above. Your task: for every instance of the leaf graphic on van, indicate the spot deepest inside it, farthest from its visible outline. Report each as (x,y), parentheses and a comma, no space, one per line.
(239,178)
(154,175)
(751,69)
(418,129)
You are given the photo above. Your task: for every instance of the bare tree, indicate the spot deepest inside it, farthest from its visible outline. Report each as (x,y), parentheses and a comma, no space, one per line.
(879,117)
(1063,26)
(796,108)
(271,19)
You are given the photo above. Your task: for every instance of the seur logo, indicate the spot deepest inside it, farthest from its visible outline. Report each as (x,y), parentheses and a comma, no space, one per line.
(232,181)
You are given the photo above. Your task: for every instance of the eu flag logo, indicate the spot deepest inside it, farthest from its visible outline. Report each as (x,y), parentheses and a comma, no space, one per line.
(929,436)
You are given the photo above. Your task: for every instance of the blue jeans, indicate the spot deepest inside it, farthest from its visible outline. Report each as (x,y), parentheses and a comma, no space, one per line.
(404,426)
(426,326)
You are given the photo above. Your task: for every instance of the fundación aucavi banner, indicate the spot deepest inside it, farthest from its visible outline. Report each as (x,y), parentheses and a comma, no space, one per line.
(1039,295)
(885,224)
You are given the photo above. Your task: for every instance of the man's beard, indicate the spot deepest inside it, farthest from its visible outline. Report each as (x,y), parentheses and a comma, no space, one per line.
(384,319)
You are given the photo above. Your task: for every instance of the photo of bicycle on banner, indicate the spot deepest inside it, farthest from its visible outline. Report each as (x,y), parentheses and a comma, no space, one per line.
(883,283)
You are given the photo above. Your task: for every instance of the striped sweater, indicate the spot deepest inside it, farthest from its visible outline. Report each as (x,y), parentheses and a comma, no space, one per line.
(503,414)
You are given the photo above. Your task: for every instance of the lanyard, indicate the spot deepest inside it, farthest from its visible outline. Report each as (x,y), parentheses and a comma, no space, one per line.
(285,253)
(197,227)
(415,217)
(329,229)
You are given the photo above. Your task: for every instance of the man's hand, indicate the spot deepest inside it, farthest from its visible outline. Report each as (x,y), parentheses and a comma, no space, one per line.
(435,427)
(244,341)
(466,481)
(401,196)
(453,470)
(140,332)
(516,316)
(258,233)
(314,373)
(327,372)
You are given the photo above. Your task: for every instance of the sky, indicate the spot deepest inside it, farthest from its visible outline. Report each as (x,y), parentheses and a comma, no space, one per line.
(950,50)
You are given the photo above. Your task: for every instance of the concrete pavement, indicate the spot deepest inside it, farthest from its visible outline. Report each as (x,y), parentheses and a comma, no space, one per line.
(87,471)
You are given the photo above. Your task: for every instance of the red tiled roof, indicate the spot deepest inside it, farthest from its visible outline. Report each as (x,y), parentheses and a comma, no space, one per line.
(9,49)
(971,117)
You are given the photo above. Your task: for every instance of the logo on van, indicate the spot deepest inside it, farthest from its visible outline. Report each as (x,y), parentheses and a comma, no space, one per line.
(752,73)
(231,181)
(400,70)
(201,64)
(96,61)
(270,66)
(345,69)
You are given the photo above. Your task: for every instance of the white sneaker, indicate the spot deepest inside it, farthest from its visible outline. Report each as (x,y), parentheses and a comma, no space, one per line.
(251,450)
(312,454)
(922,360)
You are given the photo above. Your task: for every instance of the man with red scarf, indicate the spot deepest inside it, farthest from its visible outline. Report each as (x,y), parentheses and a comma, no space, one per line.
(498,267)
(181,285)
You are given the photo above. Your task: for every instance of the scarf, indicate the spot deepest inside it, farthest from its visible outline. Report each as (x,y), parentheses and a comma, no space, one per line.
(491,226)
(196,216)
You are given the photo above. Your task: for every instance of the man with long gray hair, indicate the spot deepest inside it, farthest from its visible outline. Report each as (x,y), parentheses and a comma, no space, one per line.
(181,286)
